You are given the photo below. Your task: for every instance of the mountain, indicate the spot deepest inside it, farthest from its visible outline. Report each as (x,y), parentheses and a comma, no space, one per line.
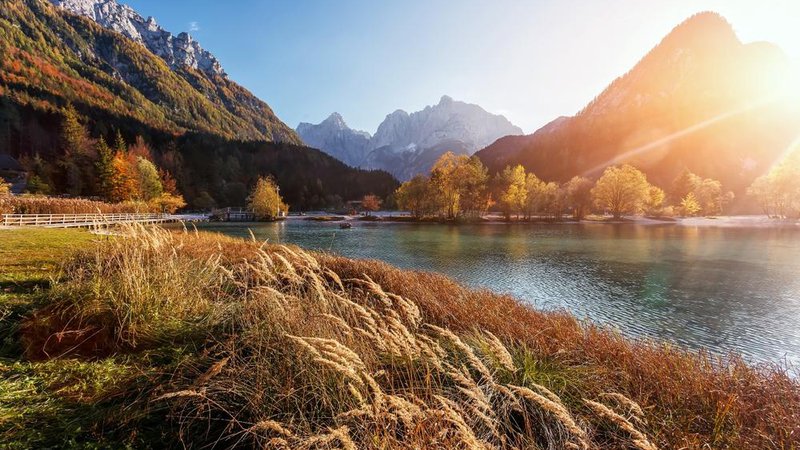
(408,144)
(333,136)
(104,56)
(700,100)
(164,95)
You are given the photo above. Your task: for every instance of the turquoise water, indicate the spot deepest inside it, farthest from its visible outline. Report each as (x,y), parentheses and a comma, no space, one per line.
(720,289)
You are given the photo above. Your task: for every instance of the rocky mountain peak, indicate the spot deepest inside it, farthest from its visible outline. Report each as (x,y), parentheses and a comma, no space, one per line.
(179,51)
(408,144)
(336,120)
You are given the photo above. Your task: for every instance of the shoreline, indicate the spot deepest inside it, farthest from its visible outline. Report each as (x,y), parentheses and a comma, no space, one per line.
(739,221)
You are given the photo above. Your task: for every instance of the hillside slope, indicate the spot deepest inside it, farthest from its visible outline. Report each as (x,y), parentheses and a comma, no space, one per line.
(53,54)
(700,100)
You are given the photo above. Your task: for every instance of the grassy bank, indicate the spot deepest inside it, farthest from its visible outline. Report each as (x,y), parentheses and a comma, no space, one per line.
(160,339)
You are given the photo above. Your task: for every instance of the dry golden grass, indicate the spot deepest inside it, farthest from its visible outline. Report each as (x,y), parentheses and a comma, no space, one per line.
(37,204)
(301,350)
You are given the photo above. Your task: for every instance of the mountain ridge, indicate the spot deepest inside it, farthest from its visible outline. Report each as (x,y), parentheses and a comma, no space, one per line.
(407,144)
(177,51)
(52,55)
(696,101)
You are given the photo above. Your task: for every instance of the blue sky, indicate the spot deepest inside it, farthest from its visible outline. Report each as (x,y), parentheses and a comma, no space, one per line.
(529,60)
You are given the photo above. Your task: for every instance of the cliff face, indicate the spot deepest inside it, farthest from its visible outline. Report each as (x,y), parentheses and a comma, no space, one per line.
(334,137)
(178,51)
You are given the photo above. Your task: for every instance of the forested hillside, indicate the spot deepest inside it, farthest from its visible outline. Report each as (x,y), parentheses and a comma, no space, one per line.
(209,170)
(49,55)
(210,134)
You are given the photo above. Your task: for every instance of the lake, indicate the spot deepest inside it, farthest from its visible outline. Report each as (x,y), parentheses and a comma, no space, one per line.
(720,289)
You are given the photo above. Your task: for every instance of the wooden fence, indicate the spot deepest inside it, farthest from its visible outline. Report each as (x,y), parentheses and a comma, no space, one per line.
(78,220)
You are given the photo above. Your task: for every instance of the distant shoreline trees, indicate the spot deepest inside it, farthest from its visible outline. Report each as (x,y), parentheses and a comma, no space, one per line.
(370,203)
(459,187)
(778,191)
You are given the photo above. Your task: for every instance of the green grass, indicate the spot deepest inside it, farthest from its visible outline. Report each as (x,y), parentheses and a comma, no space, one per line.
(71,397)
(28,259)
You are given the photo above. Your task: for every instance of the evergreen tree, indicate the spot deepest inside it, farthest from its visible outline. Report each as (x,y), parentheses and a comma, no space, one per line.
(105,169)
(120,146)
(76,164)
(74,135)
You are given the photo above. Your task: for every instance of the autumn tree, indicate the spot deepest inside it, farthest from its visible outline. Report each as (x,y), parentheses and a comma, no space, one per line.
(370,203)
(534,195)
(123,185)
(169,184)
(579,196)
(457,187)
(473,179)
(416,196)
(461,184)
(711,197)
(708,193)
(167,203)
(689,205)
(265,200)
(514,195)
(683,184)
(552,200)
(149,181)
(778,191)
(5,188)
(654,203)
(621,190)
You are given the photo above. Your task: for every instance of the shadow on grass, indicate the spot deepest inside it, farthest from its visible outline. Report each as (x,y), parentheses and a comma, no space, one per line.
(18,300)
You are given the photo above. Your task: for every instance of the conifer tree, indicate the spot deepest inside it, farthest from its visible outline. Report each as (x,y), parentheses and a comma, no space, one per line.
(74,135)
(105,169)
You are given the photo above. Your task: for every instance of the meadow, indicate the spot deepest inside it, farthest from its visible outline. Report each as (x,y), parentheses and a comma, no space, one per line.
(159,338)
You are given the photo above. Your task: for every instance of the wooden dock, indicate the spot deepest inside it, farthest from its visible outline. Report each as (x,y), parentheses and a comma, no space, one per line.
(233,215)
(81,220)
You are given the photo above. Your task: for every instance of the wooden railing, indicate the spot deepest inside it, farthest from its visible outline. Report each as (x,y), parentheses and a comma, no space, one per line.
(78,220)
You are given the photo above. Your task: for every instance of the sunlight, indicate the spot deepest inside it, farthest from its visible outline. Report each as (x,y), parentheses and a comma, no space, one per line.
(621,158)
(785,156)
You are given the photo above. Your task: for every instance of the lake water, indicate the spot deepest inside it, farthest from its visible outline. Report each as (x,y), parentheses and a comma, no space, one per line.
(721,289)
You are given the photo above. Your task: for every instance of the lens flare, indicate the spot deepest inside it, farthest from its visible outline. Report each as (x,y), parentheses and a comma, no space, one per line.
(638,151)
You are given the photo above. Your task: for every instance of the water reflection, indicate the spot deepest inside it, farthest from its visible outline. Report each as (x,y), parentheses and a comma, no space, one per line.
(717,288)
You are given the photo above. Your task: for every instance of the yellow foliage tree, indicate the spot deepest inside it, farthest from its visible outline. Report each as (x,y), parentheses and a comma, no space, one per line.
(265,200)
(167,203)
(689,205)
(515,194)
(621,190)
